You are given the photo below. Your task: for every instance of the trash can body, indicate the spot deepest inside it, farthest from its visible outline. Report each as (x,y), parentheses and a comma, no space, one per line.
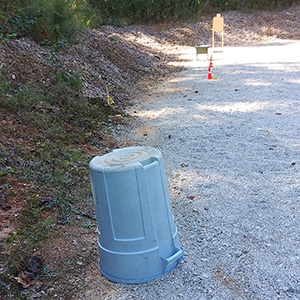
(137,235)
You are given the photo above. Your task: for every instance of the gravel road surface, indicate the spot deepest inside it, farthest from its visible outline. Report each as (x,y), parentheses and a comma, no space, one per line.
(231,148)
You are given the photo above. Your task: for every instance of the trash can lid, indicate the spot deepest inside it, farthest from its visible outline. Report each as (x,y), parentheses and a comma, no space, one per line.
(125,157)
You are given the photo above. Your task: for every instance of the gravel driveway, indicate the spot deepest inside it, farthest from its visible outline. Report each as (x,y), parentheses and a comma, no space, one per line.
(231,148)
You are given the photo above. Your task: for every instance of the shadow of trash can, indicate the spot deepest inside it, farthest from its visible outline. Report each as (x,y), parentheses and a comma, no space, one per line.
(137,236)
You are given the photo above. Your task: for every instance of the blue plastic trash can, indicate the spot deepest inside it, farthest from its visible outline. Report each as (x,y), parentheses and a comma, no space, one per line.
(137,236)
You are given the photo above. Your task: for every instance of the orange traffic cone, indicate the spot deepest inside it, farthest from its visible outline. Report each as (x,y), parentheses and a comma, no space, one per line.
(211,63)
(209,74)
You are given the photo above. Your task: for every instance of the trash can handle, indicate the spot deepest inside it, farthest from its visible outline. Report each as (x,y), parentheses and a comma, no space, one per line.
(169,261)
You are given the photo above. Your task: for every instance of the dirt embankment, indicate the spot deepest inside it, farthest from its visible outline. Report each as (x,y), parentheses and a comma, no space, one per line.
(121,60)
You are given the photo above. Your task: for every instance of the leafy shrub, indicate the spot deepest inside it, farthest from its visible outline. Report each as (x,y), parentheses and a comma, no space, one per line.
(41,19)
(120,12)
(60,19)
(53,20)
(86,15)
(249,4)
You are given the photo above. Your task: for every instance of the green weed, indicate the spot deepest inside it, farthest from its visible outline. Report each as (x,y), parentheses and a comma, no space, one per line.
(89,224)
(10,238)
(47,272)
(7,36)
(112,38)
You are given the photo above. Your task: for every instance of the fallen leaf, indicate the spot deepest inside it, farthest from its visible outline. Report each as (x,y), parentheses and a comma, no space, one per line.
(23,280)
(191,197)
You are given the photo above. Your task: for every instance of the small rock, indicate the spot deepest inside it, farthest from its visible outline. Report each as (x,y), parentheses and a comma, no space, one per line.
(46,200)
(36,296)
(88,294)
(51,291)
(93,216)
(5,206)
(117,118)
(62,220)
(35,264)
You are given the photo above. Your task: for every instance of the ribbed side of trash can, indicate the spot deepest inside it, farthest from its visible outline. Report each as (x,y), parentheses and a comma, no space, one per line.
(137,235)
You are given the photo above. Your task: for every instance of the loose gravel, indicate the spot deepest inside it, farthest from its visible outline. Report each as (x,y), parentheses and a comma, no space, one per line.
(231,149)
(232,153)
